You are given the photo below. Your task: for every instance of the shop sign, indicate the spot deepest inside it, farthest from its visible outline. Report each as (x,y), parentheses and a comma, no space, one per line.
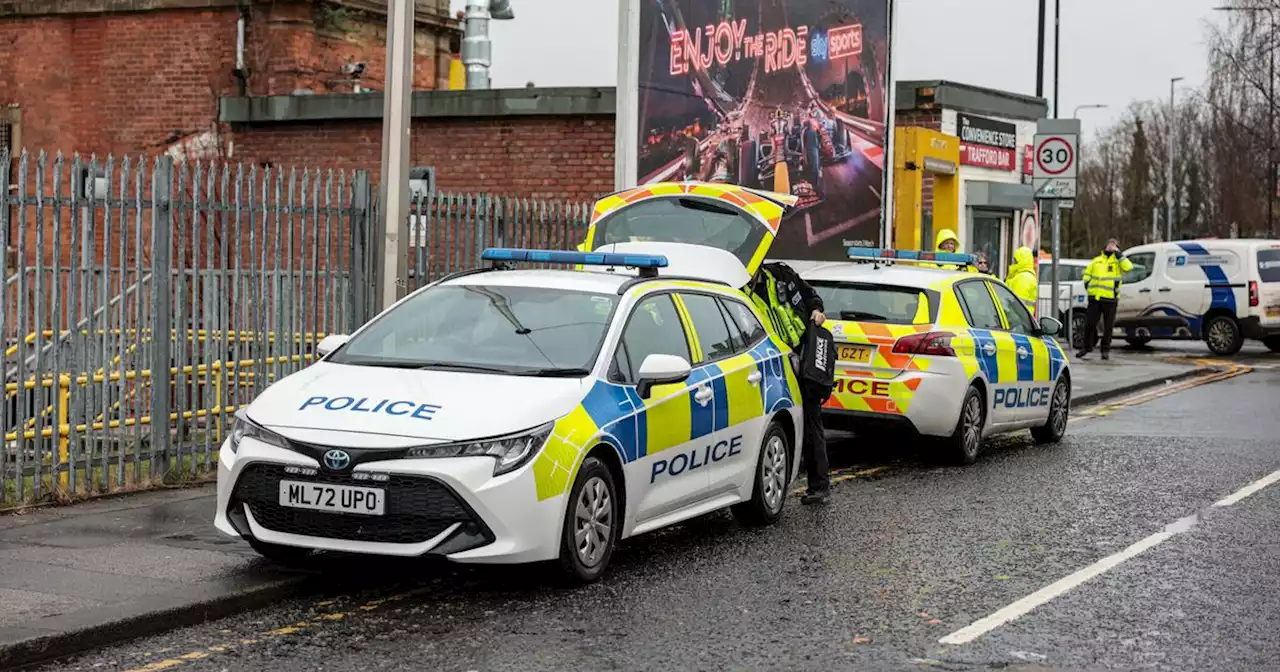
(987,143)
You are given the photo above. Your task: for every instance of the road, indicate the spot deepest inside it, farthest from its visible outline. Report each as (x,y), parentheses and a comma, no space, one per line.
(907,554)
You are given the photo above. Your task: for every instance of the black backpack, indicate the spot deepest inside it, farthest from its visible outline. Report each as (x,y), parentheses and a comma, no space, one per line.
(818,359)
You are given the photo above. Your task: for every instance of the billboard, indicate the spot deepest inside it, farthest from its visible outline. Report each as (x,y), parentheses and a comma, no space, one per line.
(784,95)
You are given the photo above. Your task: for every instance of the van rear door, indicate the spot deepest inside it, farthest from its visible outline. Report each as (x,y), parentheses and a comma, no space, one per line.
(1268,284)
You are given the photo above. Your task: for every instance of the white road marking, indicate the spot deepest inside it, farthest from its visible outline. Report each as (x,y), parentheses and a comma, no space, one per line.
(1020,608)
(1249,489)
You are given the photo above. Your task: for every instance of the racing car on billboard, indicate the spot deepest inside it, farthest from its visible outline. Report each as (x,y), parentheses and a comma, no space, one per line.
(759,160)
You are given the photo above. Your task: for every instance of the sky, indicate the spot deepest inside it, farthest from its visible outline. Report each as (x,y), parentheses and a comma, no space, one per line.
(1113,51)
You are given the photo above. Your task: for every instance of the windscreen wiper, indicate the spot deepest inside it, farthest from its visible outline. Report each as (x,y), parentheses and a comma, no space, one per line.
(567,372)
(859,315)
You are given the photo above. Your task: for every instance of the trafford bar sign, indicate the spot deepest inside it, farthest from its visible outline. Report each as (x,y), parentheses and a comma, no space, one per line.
(987,143)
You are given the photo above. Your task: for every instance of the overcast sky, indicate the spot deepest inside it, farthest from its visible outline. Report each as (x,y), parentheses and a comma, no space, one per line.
(1113,51)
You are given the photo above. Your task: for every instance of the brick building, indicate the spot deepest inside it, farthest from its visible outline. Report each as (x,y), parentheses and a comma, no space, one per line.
(161,76)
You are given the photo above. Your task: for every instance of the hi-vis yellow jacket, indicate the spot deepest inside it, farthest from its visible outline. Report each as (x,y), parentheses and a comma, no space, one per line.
(1102,277)
(943,236)
(1022,278)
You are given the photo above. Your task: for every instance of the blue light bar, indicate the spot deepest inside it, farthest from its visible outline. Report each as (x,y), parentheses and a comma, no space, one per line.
(911,256)
(579,258)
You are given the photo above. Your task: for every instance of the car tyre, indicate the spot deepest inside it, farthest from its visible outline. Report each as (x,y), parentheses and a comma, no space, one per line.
(773,478)
(964,444)
(289,556)
(1137,341)
(1222,335)
(1055,427)
(591,525)
(1078,324)
(1272,343)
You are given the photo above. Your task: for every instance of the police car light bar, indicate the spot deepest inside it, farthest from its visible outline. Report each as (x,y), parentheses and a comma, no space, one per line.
(645,262)
(910,256)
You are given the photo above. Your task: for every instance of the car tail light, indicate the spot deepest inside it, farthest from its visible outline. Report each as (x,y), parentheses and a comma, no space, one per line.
(929,343)
(1253,293)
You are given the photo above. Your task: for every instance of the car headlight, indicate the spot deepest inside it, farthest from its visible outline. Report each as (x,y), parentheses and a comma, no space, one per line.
(509,452)
(243,427)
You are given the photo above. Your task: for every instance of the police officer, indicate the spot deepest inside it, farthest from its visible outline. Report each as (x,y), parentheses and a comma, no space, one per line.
(1022,278)
(1102,282)
(946,241)
(792,306)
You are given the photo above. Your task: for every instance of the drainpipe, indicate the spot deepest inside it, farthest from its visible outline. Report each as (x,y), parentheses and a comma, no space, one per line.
(241,72)
(476,45)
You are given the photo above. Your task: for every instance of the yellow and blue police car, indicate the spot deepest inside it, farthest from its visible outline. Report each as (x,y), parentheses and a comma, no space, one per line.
(507,415)
(948,355)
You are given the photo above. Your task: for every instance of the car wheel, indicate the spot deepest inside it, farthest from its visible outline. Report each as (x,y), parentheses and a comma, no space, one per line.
(1272,343)
(965,442)
(1222,335)
(1055,427)
(1078,323)
(289,556)
(591,524)
(1137,341)
(773,472)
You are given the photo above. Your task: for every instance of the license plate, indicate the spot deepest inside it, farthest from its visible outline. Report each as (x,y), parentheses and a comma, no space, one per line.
(336,498)
(1273,311)
(854,353)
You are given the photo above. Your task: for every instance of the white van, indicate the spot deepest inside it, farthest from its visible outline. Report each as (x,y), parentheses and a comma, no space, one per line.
(1072,301)
(1221,291)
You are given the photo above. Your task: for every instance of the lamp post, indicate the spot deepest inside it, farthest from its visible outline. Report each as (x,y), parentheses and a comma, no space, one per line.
(1040,54)
(1093,106)
(1271,109)
(1168,174)
(1057,11)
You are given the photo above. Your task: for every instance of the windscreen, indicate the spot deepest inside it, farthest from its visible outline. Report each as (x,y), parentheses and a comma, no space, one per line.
(693,221)
(858,302)
(512,330)
(1269,265)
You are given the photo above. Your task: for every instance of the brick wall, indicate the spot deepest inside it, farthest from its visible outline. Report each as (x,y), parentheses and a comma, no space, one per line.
(931,119)
(534,157)
(144,81)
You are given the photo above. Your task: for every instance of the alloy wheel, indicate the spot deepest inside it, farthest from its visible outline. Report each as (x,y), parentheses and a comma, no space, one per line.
(593,522)
(972,426)
(1060,409)
(773,473)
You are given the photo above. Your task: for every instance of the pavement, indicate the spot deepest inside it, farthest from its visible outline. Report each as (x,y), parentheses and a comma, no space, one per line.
(85,576)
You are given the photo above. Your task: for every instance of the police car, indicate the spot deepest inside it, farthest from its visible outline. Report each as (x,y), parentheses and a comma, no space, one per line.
(510,415)
(951,356)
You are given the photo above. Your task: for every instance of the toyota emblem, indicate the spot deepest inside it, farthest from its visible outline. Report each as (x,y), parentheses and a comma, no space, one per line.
(337,460)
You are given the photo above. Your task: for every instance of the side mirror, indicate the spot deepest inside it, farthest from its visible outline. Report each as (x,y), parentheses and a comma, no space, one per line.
(1050,326)
(330,343)
(661,370)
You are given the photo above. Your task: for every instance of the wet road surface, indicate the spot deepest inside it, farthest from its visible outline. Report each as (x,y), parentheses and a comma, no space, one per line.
(904,556)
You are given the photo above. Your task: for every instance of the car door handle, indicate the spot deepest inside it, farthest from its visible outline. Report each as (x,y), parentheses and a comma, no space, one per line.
(703,395)
(1145,291)
(1166,289)
(754,378)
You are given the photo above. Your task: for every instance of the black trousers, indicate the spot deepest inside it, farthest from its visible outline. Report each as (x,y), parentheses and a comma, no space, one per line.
(1106,311)
(814,450)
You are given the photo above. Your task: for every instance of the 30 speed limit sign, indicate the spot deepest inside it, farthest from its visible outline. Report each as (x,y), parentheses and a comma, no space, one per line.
(1055,163)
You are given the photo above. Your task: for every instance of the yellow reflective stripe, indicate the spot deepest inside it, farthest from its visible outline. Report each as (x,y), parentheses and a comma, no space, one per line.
(557,462)
(1040,358)
(668,417)
(1006,357)
(691,333)
(746,401)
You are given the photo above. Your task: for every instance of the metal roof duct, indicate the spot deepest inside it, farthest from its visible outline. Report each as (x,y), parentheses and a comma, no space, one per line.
(477,48)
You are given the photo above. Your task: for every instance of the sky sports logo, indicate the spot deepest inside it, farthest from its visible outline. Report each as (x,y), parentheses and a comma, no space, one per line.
(841,42)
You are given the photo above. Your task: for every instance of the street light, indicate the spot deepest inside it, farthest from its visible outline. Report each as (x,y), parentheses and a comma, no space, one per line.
(1168,175)
(1271,110)
(1094,106)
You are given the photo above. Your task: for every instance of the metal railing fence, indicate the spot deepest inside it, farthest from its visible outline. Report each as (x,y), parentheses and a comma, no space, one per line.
(143,303)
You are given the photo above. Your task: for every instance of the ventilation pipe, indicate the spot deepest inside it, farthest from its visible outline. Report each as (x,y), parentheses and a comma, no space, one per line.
(477,48)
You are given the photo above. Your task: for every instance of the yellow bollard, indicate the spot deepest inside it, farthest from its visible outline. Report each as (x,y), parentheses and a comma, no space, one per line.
(64,431)
(217,395)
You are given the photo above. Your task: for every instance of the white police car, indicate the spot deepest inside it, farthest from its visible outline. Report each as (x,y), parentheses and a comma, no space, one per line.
(510,416)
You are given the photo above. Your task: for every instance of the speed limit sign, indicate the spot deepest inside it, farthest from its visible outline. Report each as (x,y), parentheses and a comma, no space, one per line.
(1055,163)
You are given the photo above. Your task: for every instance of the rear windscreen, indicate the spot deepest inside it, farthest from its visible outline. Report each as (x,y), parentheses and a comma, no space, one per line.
(1269,265)
(855,302)
(688,220)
